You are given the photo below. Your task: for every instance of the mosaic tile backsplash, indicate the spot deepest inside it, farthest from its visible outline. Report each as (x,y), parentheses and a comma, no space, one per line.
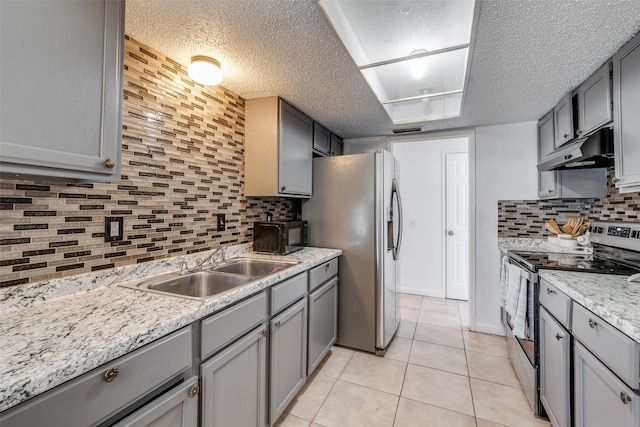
(526,218)
(182,164)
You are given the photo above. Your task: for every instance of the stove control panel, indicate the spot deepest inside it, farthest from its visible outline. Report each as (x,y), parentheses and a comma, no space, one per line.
(616,233)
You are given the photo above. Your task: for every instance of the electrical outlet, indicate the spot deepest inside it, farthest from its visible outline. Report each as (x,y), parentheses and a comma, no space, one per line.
(113,228)
(221,223)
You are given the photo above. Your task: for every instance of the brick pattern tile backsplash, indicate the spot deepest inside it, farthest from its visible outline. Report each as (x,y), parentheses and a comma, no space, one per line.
(526,218)
(182,164)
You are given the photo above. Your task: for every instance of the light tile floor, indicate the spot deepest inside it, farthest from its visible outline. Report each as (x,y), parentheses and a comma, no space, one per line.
(435,374)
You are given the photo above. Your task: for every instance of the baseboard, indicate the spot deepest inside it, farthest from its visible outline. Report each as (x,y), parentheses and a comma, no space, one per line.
(421,292)
(490,329)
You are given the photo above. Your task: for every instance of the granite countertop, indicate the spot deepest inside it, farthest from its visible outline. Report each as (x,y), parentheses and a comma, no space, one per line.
(47,341)
(521,244)
(609,296)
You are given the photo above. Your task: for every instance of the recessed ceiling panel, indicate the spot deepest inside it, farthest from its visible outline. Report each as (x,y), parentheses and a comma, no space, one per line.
(412,53)
(376,31)
(421,76)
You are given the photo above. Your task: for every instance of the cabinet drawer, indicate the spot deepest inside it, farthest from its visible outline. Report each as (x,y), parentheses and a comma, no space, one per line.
(287,292)
(322,273)
(92,398)
(224,327)
(616,350)
(556,302)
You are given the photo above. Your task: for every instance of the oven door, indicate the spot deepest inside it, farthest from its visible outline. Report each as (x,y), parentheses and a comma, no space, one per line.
(523,350)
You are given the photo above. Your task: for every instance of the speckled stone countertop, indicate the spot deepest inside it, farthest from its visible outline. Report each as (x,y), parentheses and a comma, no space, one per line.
(609,296)
(57,336)
(521,244)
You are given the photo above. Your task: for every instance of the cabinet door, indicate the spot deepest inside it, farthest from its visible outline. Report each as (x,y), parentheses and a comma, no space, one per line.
(626,96)
(234,383)
(563,121)
(337,145)
(600,398)
(294,151)
(594,101)
(177,407)
(288,361)
(321,139)
(323,322)
(61,86)
(547,180)
(555,391)
(548,184)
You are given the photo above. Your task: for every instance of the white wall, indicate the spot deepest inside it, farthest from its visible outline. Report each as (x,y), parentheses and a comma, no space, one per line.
(422,188)
(359,145)
(505,169)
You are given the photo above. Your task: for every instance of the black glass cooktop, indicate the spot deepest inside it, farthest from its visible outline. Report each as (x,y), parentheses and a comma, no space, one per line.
(557,261)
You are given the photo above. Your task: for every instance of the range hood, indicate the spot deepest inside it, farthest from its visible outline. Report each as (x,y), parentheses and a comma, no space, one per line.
(593,151)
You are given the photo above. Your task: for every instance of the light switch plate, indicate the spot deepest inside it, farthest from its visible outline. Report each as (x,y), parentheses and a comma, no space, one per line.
(113,228)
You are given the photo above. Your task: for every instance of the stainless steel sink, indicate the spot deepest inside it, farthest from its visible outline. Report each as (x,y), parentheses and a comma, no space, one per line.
(205,284)
(253,267)
(199,285)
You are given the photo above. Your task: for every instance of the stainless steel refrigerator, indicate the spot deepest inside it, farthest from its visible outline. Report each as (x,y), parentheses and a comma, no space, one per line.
(356,207)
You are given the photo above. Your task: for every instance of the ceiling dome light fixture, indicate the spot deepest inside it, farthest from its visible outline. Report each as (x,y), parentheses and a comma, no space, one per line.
(205,70)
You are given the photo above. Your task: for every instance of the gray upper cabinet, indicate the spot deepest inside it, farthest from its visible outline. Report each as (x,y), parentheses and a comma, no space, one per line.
(594,101)
(61,80)
(626,101)
(321,140)
(337,145)
(547,180)
(278,149)
(563,121)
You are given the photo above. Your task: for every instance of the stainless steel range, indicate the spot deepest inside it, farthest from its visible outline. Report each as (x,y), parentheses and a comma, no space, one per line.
(616,250)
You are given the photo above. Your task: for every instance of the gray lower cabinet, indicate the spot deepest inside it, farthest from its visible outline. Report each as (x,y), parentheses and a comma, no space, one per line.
(288,356)
(601,399)
(234,371)
(61,85)
(106,392)
(555,368)
(234,383)
(323,322)
(626,103)
(177,407)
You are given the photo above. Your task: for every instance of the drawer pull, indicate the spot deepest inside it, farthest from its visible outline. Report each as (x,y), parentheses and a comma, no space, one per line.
(265,332)
(592,324)
(111,374)
(326,267)
(625,397)
(559,337)
(550,291)
(277,325)
(194,391)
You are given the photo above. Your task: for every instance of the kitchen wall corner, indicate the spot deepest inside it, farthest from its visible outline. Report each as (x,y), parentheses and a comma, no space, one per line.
(182,163)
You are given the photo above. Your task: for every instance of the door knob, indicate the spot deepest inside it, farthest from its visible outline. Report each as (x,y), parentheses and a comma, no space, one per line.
(450,233)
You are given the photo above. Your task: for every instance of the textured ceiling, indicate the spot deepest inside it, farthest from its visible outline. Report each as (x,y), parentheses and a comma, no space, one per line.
(527,54)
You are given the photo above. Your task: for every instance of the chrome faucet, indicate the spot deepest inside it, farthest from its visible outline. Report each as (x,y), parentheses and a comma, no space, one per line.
(212,258)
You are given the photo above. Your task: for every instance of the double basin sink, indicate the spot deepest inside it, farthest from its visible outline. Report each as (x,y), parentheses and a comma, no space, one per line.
(212,281)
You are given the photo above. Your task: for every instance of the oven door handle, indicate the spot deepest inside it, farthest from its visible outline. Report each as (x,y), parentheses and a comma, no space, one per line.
(523,271)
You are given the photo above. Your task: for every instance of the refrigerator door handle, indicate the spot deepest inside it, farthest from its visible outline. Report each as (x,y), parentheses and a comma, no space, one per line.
(396,245)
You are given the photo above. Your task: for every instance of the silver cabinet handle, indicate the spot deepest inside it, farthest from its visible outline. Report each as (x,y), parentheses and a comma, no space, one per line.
(326,267)
(284,187)
(111,374)
(265,332)
(109,163)
(625,397)
(550,191)
(592,323)
(450,233)
(194,391)
(566,135)
(277,324)
(550,291)
(615,180)
(559,337)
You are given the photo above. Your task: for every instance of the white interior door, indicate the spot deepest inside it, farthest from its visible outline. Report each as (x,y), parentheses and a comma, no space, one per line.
(457,225)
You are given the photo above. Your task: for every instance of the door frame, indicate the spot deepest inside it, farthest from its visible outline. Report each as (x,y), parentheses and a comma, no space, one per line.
(470,134)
